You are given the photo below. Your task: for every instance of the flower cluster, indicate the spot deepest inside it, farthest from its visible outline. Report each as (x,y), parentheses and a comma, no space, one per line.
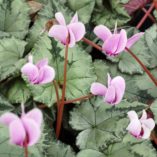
(26,129)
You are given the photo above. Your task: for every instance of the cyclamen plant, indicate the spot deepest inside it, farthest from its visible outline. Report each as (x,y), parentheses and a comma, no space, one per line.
(26,130)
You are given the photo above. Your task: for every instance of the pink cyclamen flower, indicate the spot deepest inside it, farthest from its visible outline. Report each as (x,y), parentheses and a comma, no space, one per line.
(112,94)
(140,128)
(25,128)
(115,43)
(75,30)
(40,73)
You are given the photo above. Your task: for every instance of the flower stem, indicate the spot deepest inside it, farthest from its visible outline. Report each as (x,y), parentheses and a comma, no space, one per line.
(142,65)
(131,53)
(57,94)
(89,42)
(26,147)
(61,106)
(145,16)
(78,99)
(150,16)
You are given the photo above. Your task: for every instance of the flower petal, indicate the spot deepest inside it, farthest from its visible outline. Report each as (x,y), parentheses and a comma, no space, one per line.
(102,32)
(110,95)
(110,46)
(31,71)
(59,32)
(98,89)
(146,132)
(8,118)
(144,115)
(78,30)
(42,63)
(119,85)
(17,133)
(149,123)
(132,115)
(134,128)
(134,39)
(35,115)
(46,75)
(122,41)
(74,18)
(72,39)
(32,130)
(108,79)
(60,18)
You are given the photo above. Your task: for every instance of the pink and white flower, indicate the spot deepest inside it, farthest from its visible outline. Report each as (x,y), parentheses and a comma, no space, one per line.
(39,73)
(75,30)
(112,94)
(24,128)
(140,128)
(115,43)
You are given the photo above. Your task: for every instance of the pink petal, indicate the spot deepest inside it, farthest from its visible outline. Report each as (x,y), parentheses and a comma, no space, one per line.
(102,32)
(17,133)
(74,18)
(149,123)
(110,46)
(31,71)
(59,32)
(134,39)
(32,130)
(60,18)
(78,30)
(109,79)
(46,75)
(132,115)
(98,89)
(144,115)
(122,41)
(119,85)
(35,115)
(72,39)
(8,118)
(134,128)
(42,63)
(110,95)
(146,132)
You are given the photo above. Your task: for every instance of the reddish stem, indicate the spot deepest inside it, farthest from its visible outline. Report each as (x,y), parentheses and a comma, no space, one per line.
(78,99)
(89,42)
(145,16)
(26,147)
(131,53)
(61,106)
(142,65)
(57,94)
(150,16)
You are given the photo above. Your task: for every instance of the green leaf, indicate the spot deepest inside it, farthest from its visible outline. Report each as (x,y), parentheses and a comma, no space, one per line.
(14,18)
(99,122)
(133,148)
(108,16)
(18,92)
(5,105)
(59,150)
(84,8)
(153,108)
(11,53)
(80,72)
(144,83)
